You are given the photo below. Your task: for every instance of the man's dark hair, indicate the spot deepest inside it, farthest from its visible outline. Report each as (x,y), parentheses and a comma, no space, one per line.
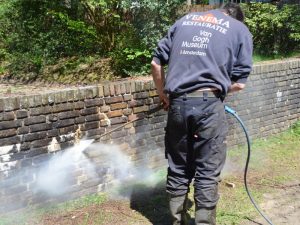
(234,10)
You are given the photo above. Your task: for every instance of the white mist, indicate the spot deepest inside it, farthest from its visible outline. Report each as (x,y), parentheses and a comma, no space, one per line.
(54,178)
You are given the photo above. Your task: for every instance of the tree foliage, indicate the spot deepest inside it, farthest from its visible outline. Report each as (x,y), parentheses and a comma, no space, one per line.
(38,32)
(35,33)
(149,22)
(275,30)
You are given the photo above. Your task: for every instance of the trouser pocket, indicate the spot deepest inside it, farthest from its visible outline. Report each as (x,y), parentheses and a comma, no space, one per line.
(209,123)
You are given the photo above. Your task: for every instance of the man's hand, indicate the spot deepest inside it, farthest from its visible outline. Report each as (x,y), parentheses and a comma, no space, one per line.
(158,75)
(164,100)
(236,87)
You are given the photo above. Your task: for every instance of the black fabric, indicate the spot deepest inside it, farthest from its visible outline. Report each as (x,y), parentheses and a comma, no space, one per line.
(195,148)
(178,210)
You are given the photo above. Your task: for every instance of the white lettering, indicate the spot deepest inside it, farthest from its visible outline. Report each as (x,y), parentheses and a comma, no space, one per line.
(188,23)
(186,44)
(184,52)
(188,16)
(208,25)
(219,21)
(226,24)
(206,34)
(201,39)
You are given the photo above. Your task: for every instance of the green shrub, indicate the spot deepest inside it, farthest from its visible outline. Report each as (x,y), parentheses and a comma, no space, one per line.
(131,61)
(275,30)
(295,128)
(150,22)
(34,34)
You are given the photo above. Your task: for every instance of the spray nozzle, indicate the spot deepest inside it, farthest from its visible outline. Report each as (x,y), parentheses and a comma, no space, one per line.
(229,110)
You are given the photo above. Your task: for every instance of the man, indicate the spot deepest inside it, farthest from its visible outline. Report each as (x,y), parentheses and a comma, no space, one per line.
(209,54)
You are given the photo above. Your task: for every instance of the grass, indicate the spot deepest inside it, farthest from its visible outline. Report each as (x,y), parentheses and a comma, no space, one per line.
(25,217)
(274,164)
(260,58)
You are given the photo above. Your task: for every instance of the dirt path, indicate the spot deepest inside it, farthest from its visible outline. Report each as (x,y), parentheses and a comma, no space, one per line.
(281,208)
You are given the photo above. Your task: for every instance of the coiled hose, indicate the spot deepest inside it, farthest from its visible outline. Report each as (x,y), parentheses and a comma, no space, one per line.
(234,114)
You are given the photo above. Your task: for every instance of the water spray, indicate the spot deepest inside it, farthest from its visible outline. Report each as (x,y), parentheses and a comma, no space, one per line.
(138,117)
(126,173)
(234,114)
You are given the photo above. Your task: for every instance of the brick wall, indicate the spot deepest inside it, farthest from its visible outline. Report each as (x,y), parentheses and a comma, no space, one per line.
(270,102)
(37,128)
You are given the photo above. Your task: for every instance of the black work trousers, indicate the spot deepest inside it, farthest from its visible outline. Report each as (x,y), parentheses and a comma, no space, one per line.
(195,147)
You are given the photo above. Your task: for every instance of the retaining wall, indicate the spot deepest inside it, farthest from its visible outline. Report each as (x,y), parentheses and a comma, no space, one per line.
(270,102)
(36,128)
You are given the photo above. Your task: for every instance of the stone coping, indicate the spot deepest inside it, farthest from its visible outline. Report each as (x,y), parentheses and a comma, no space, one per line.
(116,88)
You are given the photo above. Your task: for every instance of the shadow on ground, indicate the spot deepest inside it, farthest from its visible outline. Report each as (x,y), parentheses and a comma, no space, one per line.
(152,203)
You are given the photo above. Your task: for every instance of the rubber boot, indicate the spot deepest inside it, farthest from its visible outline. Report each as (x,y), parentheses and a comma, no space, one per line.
(205,216)
(178,210)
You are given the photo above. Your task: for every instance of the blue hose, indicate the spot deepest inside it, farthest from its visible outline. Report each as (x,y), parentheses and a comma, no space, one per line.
(234,114)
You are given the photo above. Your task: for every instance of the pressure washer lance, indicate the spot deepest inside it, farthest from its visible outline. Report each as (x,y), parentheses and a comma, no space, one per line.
(139,117)
(234,114)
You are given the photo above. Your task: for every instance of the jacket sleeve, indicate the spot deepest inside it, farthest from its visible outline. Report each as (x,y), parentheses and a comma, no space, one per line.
(243,64)
(162,51)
